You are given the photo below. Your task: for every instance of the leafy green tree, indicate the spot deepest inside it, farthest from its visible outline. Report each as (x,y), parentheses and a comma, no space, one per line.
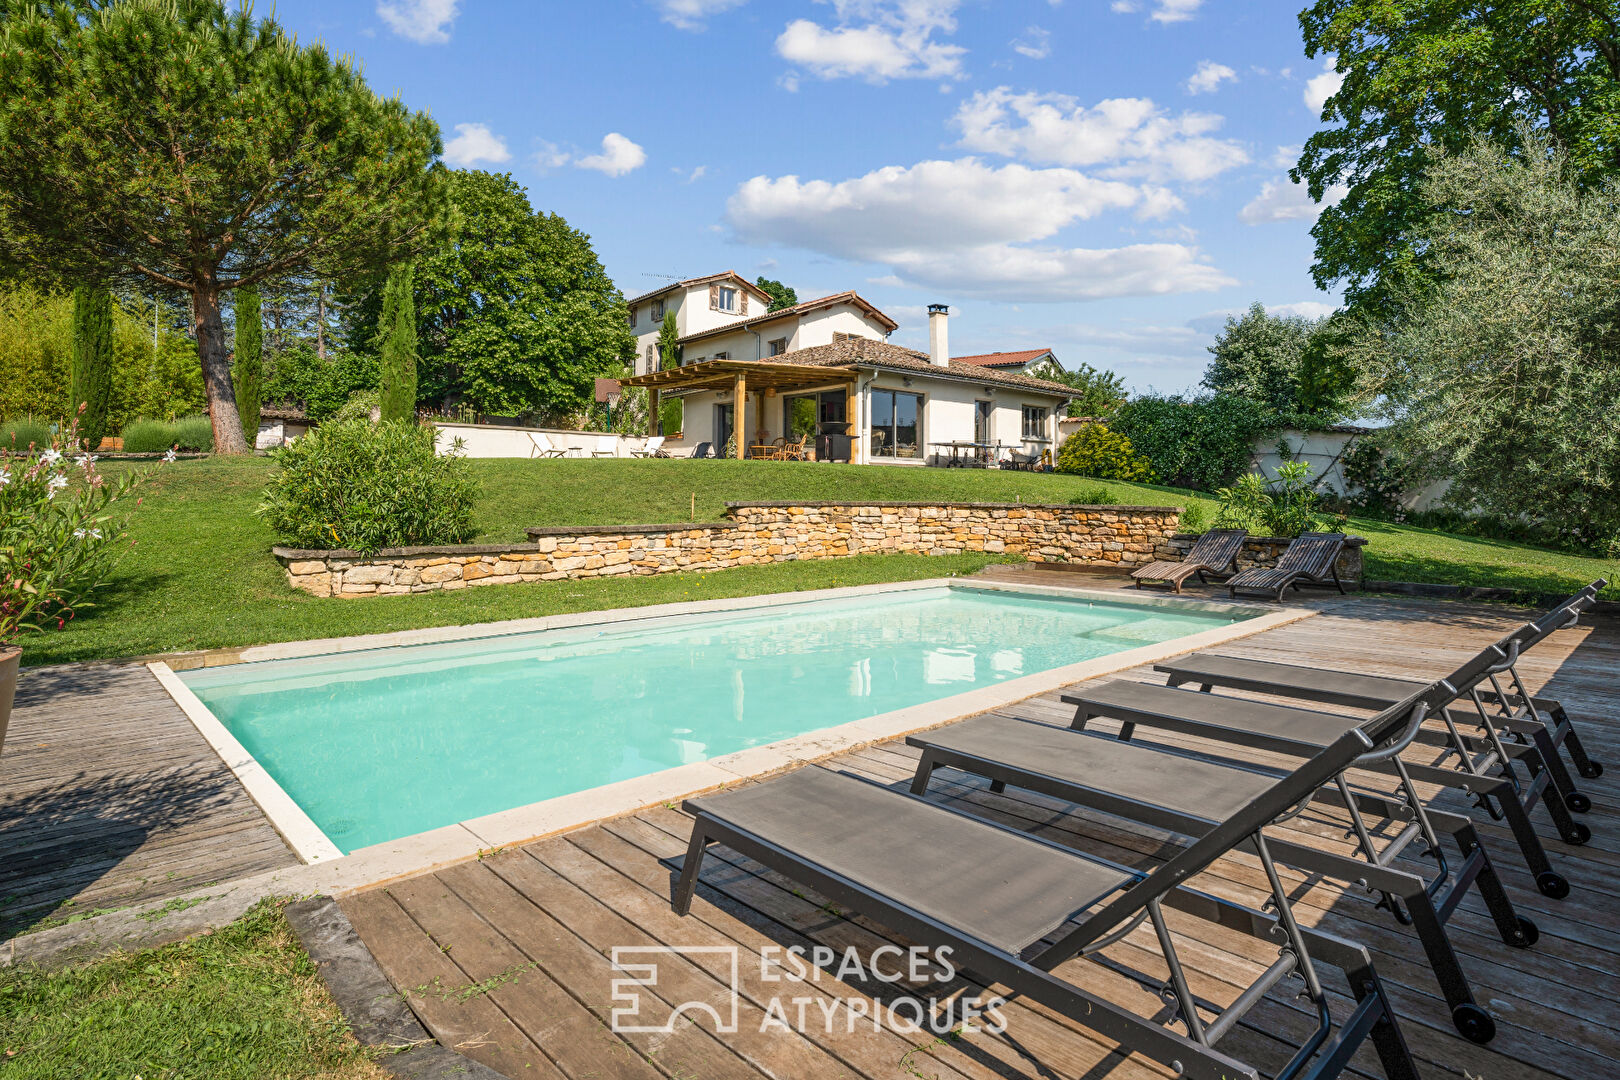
(515,315)
(1098,393)
(180,144)
(1201,443)
(1504,374)
(1421,78)
(781,296)
(669,343)
(91,390)
(247,367)
(396,346)
(1257,356)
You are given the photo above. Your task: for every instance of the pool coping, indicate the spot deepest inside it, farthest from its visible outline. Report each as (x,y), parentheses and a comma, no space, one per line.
(327,869)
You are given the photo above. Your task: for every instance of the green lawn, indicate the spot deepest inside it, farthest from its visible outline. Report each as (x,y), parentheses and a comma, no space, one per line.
(200,575)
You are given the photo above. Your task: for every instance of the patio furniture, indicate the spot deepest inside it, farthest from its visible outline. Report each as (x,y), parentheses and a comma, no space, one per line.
(542,446)
(654,447)
(1309,560)
(1028,462)
(1214,554)
(703,450)
(796,449)
(606,446)
(1179,794)
(1012,908)
(1486,773)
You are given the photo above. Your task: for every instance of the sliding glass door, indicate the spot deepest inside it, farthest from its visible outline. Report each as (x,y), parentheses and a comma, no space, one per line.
(896,424)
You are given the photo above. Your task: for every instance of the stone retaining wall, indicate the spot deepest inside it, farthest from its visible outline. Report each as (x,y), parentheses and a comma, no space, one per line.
(754,533)
(1266,550)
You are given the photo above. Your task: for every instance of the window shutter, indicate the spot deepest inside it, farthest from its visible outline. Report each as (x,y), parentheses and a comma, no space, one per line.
(743,294)
(714,297)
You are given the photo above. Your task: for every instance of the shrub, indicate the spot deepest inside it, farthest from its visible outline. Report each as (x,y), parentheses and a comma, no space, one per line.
(17,435)
(1096,451)
(1194,519)
(1093,496)
(354,484)
(148,436)
(362,404)
(194,433)
(1284,507)
(1201,443)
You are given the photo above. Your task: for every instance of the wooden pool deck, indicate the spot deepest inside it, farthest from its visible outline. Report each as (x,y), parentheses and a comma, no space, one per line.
(506,958)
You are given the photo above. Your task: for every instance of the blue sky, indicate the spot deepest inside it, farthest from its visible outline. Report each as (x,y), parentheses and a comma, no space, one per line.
(1103,178)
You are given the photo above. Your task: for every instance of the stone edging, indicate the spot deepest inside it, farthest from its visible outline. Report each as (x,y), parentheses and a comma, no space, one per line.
(948,505)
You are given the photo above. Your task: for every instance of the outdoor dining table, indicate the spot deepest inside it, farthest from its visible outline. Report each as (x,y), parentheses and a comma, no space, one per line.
(957,447)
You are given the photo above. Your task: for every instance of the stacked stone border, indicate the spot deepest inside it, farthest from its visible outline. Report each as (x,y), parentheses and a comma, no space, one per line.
(754,532)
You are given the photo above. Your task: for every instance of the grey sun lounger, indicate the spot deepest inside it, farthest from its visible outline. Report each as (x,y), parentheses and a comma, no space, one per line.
(1488,776)
(1512,710)
(1213,556)
(1310,560)
(1012,907)
(1191,796)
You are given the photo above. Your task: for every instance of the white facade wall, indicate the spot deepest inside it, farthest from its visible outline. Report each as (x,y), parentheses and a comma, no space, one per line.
(490,441)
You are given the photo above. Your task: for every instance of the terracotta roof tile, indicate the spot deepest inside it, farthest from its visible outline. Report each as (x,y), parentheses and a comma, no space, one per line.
(894,357)
(1002,359)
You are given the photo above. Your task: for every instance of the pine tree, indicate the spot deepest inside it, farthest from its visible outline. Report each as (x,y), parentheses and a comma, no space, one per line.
(669,343)
(396,346)
(247,370)
(92,362)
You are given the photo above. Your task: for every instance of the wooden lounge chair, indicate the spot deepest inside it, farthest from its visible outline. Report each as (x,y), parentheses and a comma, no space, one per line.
(1309,560)
(1011,907)
(606,446)
(654,447)
(1215,554)
(1487,772)
(542,446)
(1180,794)
(1512,711)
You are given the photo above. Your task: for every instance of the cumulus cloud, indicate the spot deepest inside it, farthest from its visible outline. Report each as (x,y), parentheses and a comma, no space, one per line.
(970,228)
(1281,199)
(1035,43)
(426,22)
(475,144)
(1321,87)
(1164,11)
(692,14)
(1286,157)
(1309,309)
(876,40)
(1208,76)
(1128,137)
(619,155)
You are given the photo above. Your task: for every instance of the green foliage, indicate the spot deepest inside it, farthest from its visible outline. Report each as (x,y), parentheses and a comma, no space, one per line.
(354,484)
(1099,393)
(321,386)
(669,343)
(155,436)
(1194,519)
(1377,477)
(1285,506)
(281,156)
(1504,374)
(1421,79)
(1258,356)
(1327,377)
(1096,451)
(91,390)
(362,405)
(25,431)
(1092,496)
(247,370)
(672,415)
(781,296)
(517,315)
(396,347)
(1200,443)
(194,433)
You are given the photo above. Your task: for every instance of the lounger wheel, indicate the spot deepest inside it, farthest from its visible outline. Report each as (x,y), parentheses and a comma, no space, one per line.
(1578,834)
(1474,1023)
(1528,934)
(1592,770)
(1553,885)
(1577,802)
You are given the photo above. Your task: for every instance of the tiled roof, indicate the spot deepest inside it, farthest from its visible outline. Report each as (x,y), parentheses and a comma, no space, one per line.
(1003,359)
(850,297)
(894,357)
(689,282)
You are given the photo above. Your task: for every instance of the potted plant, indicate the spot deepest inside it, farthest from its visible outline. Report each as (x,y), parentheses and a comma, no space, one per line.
(57,542)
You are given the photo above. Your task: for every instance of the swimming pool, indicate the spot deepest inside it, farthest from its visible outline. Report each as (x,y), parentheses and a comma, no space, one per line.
(384,743)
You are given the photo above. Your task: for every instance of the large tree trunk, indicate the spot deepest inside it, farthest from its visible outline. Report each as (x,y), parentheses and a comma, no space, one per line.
(216,369)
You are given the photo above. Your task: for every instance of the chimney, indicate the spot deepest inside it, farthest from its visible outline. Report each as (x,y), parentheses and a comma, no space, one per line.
(939,335)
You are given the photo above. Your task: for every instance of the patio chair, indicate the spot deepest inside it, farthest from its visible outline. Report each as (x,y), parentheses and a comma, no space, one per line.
(1486,772)
(1215,554)
(1012,908)
(1309,560)
(542,446)
(654,447)
(703,450)
(1026,461)
(796,449)
(1510,710)
(606,446)
(1185,795)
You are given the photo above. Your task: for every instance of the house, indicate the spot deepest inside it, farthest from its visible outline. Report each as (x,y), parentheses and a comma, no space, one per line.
(279,425)
(1040,363)
(724,317)
(901,406)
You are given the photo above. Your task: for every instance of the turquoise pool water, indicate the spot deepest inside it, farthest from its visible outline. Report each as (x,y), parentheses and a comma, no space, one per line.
(381,744)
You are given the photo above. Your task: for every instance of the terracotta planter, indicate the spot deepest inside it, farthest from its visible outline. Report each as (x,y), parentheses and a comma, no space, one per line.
(9,659)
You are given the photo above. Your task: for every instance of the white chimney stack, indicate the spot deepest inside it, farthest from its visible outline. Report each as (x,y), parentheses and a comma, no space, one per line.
(939,335)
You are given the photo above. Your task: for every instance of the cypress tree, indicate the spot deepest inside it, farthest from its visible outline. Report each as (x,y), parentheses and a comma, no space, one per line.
(247,369)
(396,346)
(92,360)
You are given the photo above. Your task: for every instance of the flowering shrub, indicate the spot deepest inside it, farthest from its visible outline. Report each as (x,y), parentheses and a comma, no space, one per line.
(58,535)
(1096,451)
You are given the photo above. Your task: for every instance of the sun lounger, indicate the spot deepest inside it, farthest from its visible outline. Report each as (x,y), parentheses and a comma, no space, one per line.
(542,446)
(1309,560)
(1190,796)
(606,446)
(1011,907)
(654,447)
(1215,554)
(1489,776)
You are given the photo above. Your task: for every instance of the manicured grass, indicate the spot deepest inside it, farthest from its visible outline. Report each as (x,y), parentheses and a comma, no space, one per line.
(244,1001)
(200,575)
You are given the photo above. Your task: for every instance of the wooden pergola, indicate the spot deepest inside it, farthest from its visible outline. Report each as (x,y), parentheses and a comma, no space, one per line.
(741,377)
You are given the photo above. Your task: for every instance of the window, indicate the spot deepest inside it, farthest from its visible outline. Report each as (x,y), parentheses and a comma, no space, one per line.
(652,359)
(721,356)
(725,298)
(778,346)
(632,318)
(657,309)
(1035,422)
(896,424)
(839,335)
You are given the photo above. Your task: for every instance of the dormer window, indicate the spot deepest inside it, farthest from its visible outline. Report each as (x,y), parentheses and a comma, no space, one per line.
(725,298)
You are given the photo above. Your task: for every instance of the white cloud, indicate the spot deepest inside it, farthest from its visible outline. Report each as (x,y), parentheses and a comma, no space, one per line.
(877,40)
(551,156)
(1321,87)
(1282,200)
(689,175)
(966,228)
(1286,157)
(1209,76)
(426,22)
(619,155)
(1164,11)
(475,144)
(1310,309)
(1132,137)
(691,14)
(1035,44)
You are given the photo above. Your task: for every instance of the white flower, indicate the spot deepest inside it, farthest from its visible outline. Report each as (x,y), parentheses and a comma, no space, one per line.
(86,459)
(5,478)
(50,456)
(170,455)
(80,534)
(53,485)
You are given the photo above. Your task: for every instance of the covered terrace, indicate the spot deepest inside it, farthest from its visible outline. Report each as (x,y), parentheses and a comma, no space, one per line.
(764,378)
